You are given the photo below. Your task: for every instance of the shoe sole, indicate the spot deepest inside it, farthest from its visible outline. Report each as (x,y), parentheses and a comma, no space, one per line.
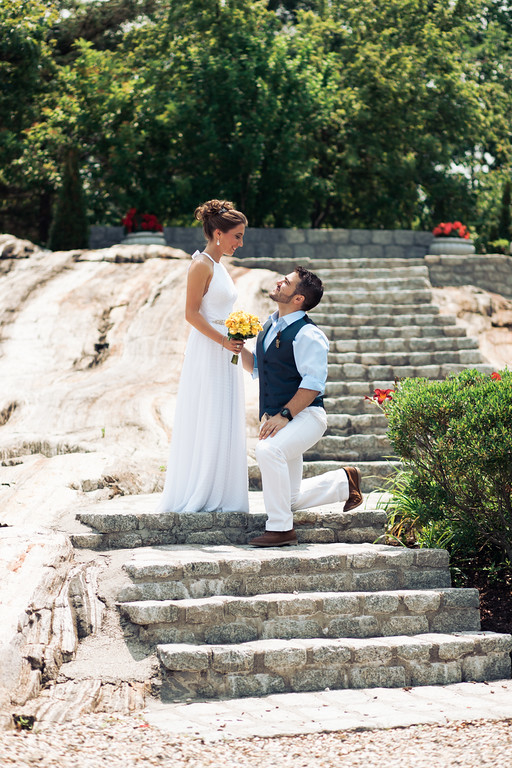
(283,544)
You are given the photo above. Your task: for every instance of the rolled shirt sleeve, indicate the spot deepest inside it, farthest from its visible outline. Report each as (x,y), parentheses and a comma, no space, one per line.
(311,349)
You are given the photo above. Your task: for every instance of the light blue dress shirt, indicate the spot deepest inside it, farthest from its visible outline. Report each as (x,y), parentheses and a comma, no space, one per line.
(310,350)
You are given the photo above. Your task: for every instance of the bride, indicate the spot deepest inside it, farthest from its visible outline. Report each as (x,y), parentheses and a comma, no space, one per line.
(207,467)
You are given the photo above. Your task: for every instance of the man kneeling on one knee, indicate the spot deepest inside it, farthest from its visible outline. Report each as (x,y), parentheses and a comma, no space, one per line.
(291,363)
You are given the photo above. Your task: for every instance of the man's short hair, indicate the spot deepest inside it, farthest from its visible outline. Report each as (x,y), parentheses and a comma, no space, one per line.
(310,286)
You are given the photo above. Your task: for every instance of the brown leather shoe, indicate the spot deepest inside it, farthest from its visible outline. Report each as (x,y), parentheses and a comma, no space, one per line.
(355,497)
(275,539)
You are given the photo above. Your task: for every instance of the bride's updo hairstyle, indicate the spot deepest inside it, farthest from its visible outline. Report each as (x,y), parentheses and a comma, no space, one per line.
(218,214)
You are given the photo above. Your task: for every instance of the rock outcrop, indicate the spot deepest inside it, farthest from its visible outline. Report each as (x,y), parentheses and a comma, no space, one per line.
(91,344)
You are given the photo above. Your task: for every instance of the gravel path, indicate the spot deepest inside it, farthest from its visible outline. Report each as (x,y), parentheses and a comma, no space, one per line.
(123,742)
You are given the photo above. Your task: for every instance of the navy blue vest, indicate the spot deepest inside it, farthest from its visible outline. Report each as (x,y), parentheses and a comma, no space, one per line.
(277,372)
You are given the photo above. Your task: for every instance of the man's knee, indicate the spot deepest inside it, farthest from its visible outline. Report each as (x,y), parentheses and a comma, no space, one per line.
(266,451)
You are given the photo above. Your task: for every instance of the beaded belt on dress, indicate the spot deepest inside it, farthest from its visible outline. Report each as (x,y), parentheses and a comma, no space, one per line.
(217,322)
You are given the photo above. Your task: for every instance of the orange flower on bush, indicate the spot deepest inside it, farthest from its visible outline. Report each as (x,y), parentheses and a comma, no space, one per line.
(451,229)
(380,395)
(495,376)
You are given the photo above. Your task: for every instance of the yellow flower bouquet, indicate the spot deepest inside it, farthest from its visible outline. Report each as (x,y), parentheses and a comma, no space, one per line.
(242,325)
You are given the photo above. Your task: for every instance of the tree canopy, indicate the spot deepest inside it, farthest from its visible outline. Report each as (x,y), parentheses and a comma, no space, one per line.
(340,113)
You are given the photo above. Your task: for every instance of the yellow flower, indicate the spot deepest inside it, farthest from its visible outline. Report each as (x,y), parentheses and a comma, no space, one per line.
(243,323)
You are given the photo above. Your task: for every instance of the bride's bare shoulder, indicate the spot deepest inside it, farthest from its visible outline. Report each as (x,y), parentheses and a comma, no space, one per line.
(200,263)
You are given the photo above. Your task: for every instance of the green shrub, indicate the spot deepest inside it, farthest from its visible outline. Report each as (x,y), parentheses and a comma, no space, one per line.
(498,246)
(454,438)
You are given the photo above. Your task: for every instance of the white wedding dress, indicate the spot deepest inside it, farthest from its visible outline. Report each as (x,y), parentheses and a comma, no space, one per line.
(207,467)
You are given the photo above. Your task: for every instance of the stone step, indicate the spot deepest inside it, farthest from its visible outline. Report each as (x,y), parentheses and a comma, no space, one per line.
(387,358)
(285,265)
(429,332)
(370,317)
(377,273)
(265,667)
(126,528)
(404,345)
(383,376)
(227,619)
(351,449)
(178,573)
(374,311)
(376,296)
(391,283)
(374,423)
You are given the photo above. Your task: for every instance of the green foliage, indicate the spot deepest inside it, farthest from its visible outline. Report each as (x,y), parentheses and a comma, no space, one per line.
(455,439)
(69,226)
(304,112)
(26,68)
(100,22)
(498,246)
(396,109)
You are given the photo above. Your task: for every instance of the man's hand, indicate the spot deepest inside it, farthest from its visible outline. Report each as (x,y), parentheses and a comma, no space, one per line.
(271,426)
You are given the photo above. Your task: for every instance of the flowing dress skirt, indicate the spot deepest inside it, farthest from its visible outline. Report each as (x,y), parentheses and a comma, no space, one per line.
(207,468)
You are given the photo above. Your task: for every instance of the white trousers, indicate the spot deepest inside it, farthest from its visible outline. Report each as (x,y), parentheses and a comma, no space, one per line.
(280,461)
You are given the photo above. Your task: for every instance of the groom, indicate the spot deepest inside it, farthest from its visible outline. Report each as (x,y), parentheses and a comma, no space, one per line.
(291,364)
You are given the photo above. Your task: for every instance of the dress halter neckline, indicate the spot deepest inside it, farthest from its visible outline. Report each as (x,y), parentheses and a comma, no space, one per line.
(203,253)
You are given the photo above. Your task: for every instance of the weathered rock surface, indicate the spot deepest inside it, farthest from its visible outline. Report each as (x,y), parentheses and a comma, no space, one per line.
(91,345)
(48,603)
(486,316)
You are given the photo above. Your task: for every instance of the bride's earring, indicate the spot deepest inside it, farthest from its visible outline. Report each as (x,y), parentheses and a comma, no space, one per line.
(218,241)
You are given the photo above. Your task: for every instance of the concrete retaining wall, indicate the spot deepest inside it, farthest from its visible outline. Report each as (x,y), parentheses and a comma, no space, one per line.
(297,244)
(490,272)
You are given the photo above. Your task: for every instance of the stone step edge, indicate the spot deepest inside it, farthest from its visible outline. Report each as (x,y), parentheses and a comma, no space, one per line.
(263,667)
(124,521)
(391,262)
(235,536)
(389,599)
(355,373)
(232,619)
(191,563)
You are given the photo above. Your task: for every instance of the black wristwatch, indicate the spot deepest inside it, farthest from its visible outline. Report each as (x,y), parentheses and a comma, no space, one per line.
(286,413)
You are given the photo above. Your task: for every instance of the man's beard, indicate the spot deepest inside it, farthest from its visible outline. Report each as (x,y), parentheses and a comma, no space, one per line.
(279,297)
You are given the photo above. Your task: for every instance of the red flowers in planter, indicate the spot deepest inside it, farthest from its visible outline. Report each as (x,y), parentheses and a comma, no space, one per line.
(451,229)
(495,376)
(136,222)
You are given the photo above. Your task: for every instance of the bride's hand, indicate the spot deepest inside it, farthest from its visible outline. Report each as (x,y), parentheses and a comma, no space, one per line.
(233,345)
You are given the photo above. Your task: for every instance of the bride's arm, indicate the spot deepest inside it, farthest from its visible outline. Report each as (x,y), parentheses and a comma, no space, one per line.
(199,276)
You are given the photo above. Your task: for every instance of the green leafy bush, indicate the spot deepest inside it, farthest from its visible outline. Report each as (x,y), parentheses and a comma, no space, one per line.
(455,440)
(499,246)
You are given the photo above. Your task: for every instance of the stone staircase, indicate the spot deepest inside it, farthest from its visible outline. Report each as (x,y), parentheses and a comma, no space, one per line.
(338,610)
(382,325)
(228,620)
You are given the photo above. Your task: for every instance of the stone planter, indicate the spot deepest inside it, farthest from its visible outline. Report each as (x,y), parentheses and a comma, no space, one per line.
(451,246)
(144,238)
